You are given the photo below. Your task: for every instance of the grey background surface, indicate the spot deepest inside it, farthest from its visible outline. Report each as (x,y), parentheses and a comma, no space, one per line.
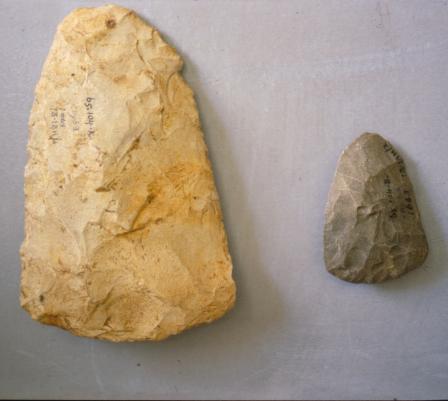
(282,88)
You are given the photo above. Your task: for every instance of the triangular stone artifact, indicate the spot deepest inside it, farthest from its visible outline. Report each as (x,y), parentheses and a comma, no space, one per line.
(124,236)
(373,230)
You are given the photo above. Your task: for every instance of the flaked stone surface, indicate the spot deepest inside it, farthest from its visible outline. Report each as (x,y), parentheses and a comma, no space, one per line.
(373,230)
(124,237)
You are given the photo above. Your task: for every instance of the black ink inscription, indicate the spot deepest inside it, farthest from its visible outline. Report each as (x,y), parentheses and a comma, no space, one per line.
(408,207)
(399,201)
(389,149)
(62,118)
(57,121)
(90,118)
(393,213)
